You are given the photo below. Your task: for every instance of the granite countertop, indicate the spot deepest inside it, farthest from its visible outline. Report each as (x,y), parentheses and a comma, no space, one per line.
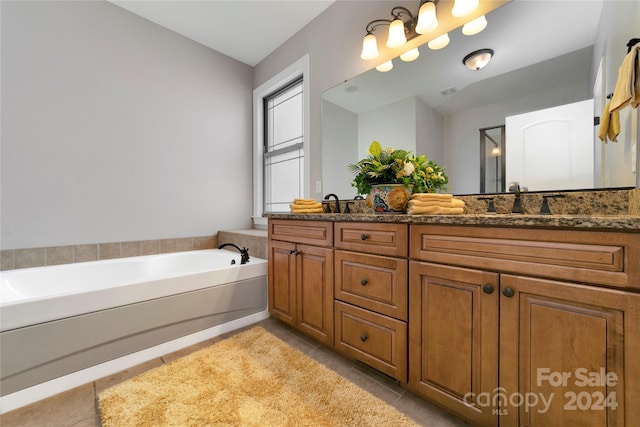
(609,222)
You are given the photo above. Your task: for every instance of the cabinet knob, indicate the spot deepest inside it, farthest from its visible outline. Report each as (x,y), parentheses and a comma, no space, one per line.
(363,237)
(508,292)
(363,282)
(364,337)
(488,288)
(294,252)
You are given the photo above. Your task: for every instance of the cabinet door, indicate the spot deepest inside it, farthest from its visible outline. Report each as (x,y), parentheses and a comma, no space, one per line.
(315,292)
(282,281)
(571,352)
(453,338)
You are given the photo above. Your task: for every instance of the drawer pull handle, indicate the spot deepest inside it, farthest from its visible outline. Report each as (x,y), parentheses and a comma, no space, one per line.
(363,237)
(487,289)
(508,292)
(363,282)
(364,337)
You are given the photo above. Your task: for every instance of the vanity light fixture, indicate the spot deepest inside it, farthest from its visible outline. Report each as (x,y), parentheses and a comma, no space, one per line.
(464,7)
(474,27)
(439,42)
(410,55)
(478,59)
(402,27)
(385,66)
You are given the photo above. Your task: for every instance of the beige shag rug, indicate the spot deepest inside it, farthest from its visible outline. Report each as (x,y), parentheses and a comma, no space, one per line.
(250,379)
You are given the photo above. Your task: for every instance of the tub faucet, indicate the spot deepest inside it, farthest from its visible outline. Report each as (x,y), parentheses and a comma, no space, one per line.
(337,208)
(244,252)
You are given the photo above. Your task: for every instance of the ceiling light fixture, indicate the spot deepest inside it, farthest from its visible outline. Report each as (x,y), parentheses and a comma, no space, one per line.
(478,59)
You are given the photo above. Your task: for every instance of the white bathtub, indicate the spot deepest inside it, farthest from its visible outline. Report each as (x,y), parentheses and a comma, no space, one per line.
(60,320)
(35,295)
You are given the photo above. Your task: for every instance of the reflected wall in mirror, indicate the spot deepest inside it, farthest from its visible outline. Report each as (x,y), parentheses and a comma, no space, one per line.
(546,54)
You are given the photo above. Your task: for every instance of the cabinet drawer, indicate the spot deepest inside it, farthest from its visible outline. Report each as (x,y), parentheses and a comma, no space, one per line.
(377,340)
(374,282)
(317,233)
(375,238)
(596,257)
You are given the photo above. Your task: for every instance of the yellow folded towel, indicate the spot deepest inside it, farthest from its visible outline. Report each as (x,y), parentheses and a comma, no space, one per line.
(429,197)
(627,89)
(435,204)
(609,124)
(307,210)
(306,206)
(452,203)
(434,210)
(304,201)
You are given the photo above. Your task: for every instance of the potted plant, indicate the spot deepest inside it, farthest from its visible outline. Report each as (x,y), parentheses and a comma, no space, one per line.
(389,176)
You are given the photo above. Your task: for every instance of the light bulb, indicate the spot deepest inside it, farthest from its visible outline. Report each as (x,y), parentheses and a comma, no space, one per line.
(463,7)
(427,19)
(475,26)
(396,34)
(385,66)
(439,42)
(410,55)
(369,47)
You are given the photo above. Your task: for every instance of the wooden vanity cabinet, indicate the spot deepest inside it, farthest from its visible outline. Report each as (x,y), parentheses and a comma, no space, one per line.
(371,295)
(301,276)
(453,337)
(498,315)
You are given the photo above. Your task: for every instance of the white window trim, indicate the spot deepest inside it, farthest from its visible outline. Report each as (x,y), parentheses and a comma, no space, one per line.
(300,67)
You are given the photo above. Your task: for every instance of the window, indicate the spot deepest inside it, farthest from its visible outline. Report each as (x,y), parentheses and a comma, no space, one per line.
(283,135)
(280,141)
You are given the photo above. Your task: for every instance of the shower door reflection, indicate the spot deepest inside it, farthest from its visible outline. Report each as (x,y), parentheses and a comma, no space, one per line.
(492,160)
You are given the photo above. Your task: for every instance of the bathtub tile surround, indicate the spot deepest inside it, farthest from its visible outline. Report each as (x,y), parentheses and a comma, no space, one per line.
(33,257)
(83,253)
(255,240)
(38,257)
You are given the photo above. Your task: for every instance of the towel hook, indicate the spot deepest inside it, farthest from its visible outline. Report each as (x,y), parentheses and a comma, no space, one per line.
(632,43)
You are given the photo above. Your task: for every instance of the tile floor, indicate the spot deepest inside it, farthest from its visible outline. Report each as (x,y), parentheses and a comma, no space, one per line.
(78,407)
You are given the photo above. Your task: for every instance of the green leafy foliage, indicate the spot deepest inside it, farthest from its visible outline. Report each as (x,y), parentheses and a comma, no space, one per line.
(389,166)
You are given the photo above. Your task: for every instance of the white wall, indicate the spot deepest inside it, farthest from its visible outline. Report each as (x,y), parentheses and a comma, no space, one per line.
(116,129)
(338,149)
(393,125)
(429,132)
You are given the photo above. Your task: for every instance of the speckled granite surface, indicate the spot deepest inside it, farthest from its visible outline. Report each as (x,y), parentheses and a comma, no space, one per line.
(609,209)
(611,222)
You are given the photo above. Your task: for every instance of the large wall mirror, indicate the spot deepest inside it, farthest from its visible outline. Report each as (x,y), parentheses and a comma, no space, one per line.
(547,54)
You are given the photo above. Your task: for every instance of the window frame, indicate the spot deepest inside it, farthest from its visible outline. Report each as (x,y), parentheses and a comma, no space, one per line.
(298,68)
